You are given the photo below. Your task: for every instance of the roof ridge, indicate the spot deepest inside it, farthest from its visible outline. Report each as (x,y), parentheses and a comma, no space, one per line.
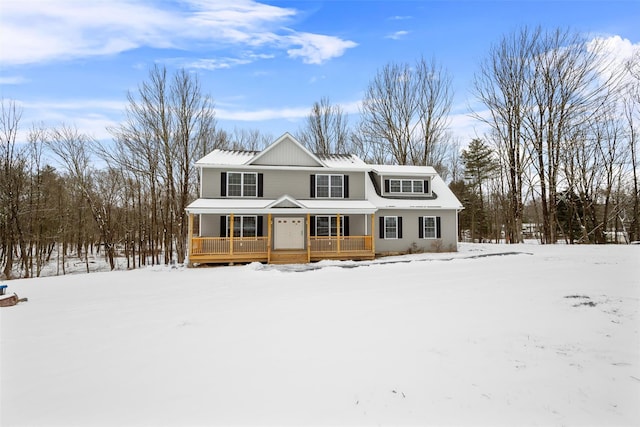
(230,150)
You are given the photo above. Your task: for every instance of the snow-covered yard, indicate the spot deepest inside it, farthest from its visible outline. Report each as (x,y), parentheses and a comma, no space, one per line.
(540,335)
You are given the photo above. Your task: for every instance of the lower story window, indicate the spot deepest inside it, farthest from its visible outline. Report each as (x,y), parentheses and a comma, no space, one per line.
(429,227)
(243,226)
(328,226)
(390,227)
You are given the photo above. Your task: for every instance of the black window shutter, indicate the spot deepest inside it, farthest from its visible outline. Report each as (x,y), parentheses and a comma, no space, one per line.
(260,184)
(386,185)
(345,187)
(426,185)
(312,189)
(399,227)
(346,225)
(259,232)
(223,226)
(421,227)
(382,227)
(312,226)
(223,184)
(438,234)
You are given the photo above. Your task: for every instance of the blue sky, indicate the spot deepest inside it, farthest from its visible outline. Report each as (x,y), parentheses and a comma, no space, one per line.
(263,62)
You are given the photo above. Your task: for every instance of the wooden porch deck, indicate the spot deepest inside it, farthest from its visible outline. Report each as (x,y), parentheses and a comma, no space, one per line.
(224,250)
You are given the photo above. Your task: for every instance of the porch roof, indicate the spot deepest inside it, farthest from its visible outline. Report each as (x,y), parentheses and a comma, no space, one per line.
(266,206)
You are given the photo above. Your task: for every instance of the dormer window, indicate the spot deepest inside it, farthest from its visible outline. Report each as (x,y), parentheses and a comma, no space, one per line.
(406,186)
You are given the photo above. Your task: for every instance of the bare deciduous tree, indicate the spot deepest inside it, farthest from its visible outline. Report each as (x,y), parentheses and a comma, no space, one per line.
(326,129)
(248,139)
(169,123)
(567,89)
(501,86)
(12,181)
(407,108)
(73,150)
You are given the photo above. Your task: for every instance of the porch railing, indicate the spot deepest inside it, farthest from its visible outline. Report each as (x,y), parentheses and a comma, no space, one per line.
(247,245)
(340,244)
(222,245)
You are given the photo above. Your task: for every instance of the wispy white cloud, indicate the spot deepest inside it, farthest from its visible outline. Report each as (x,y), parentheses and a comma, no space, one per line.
(286,113)
(77,104)
(614,51)
(263,114)
(36,31)
(464,127)
(217,63)
(12,80)
(400,17)
(352,107)
(397,35)
(317,48)
(90,117)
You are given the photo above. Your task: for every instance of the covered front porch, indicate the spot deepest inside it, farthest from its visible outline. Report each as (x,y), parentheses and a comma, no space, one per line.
(280,232)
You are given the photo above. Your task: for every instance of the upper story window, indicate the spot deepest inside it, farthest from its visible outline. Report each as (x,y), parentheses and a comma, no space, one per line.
(241,184)
(329,186)
(414,186)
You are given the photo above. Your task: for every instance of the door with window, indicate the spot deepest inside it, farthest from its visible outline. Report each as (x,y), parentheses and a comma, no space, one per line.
(288,233)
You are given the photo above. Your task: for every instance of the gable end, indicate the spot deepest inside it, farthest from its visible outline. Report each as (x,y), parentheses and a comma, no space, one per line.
(286,151)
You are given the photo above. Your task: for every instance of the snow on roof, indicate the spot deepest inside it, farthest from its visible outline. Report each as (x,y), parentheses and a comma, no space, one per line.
(342,161)
(226,157)
(229,204)
(445,198)
(403,170)
(362,206)
(253,206)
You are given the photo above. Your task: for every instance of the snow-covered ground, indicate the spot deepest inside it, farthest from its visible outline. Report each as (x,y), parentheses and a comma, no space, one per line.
(540,335)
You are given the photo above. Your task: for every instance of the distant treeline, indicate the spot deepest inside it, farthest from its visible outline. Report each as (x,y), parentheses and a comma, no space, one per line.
(561,153)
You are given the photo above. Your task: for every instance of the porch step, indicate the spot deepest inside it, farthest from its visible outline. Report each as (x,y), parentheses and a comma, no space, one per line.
(288,257)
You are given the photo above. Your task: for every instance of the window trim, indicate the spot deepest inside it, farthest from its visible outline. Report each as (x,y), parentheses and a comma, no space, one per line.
(329,186)
(424,227)
(240,218)
(242,175)
(330,217)
(395,227)
(401,181)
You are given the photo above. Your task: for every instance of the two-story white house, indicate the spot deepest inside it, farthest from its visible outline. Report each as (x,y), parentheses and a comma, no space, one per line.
(285,204)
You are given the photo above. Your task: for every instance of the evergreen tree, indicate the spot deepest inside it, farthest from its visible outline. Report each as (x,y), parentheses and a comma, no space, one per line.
(570,215)
(480,165)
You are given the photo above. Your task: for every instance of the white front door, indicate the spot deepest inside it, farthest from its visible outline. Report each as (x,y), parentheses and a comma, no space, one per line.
(288,233)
